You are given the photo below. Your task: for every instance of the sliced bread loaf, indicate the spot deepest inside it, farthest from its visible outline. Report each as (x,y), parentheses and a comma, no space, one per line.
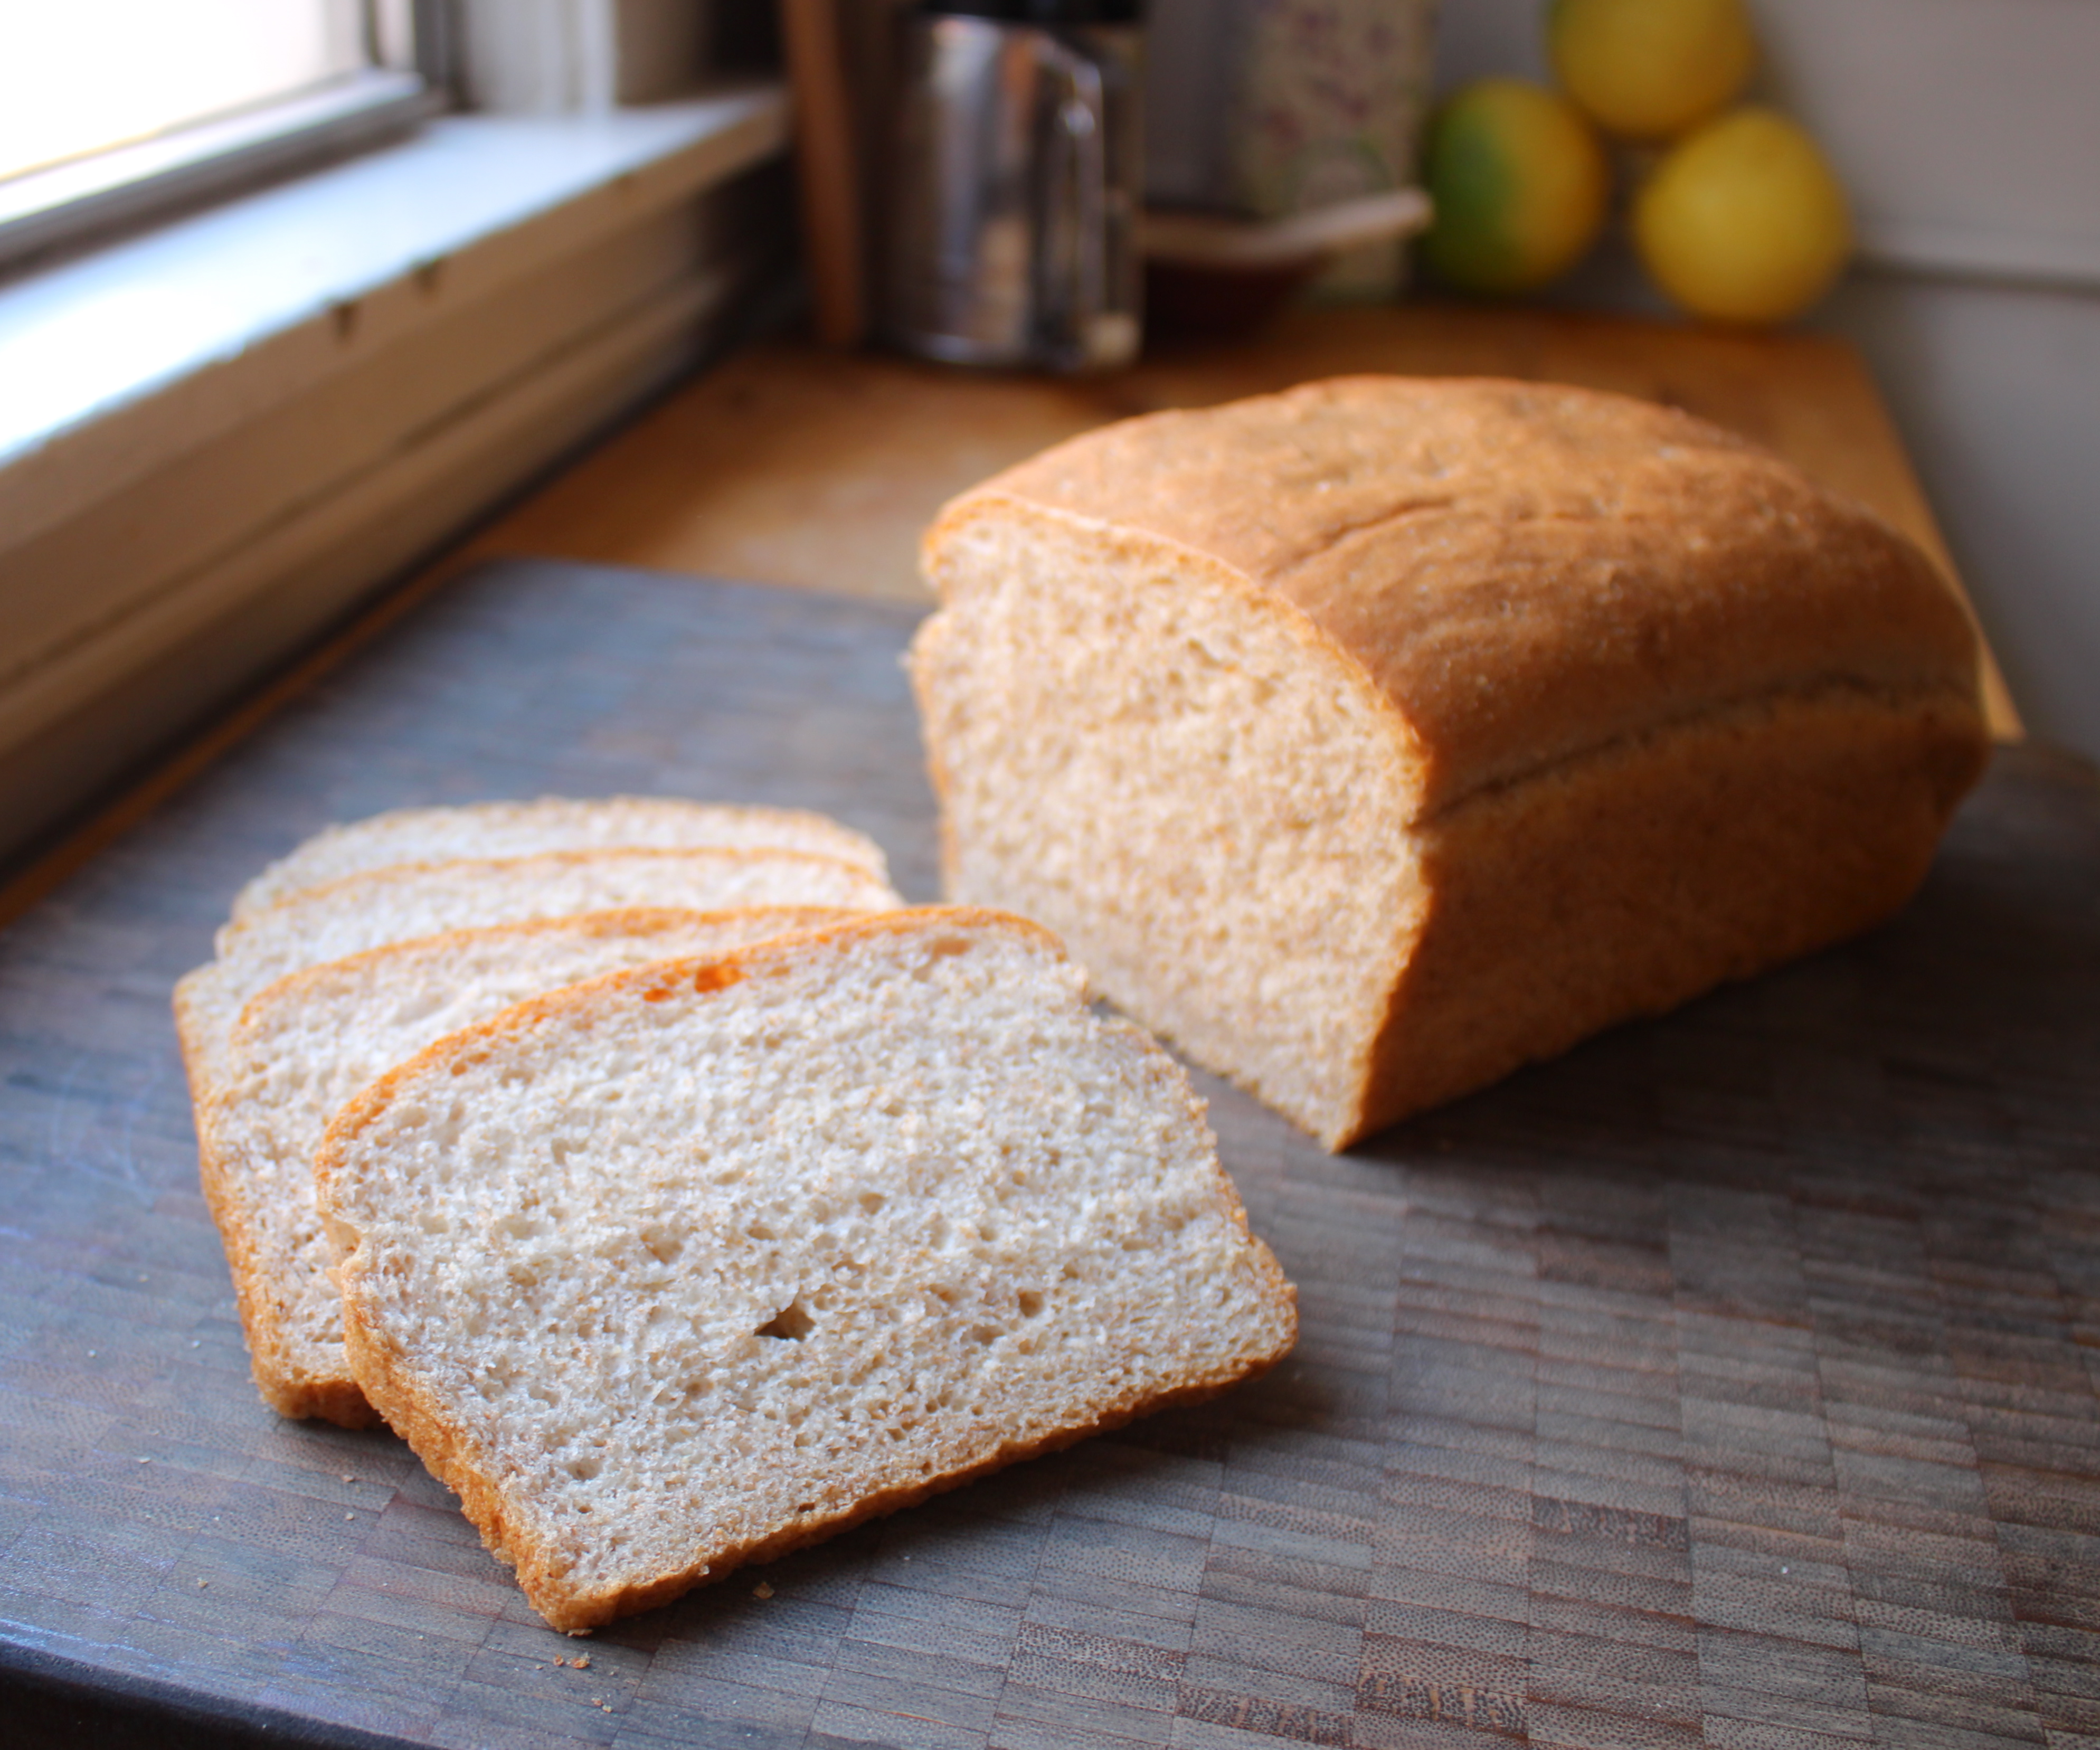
(399,903)
(553,823)
(1371,739)
(305,1043)
(688,1266)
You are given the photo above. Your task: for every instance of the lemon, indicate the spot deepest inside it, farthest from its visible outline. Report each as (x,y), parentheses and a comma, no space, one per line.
(1745,220)
(1519,183)
(1648,69)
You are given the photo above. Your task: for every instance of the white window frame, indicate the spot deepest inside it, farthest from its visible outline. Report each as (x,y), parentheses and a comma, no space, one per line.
(85,198)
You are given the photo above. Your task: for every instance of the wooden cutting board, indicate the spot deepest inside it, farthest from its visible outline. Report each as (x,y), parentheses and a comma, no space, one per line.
(1730,1382)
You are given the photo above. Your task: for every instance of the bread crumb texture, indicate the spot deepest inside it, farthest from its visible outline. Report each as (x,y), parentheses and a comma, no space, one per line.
(307,1043)
(1370,740)
(696,1263)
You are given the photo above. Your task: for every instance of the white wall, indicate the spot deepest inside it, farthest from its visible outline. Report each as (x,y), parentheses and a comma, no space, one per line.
(1969,135)
(1997,390)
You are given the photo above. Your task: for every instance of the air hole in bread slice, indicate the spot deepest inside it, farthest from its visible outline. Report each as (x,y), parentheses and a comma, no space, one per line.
(791,1323)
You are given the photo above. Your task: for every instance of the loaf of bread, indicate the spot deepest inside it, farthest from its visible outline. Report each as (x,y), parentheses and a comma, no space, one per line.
(477,830)
(307,1043)
(1371,739)
(690,1265)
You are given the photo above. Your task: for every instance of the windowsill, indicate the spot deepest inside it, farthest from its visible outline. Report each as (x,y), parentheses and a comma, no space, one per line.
(218,437)
(193,306)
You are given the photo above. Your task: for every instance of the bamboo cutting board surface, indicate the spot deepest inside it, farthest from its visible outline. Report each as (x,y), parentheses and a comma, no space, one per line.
(1730,1382)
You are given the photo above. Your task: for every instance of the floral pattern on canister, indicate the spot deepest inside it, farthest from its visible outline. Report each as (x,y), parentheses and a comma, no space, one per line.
(1298,104)
(1331,100)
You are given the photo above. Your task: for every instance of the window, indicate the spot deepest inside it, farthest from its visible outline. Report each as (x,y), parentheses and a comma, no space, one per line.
(111,110)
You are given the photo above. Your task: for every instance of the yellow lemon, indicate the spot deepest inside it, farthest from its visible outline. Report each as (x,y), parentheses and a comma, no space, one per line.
(1519,183)
(1744,221)
(1648,69)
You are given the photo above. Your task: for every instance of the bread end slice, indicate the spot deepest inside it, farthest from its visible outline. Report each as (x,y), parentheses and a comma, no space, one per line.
(487,830)
(685,1268)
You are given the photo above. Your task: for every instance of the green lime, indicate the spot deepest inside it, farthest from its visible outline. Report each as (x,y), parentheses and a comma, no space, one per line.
(1518,182)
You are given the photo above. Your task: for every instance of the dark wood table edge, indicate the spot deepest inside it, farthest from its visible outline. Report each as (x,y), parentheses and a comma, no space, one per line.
(47,1699)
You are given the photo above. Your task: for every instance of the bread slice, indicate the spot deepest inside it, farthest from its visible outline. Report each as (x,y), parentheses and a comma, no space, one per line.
(399,903)
(305,1043)
(685,1267)
(481,830)
(1371,739)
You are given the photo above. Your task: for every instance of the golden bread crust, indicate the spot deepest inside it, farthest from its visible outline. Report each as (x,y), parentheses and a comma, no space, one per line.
(1630,883)
(1525,570)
